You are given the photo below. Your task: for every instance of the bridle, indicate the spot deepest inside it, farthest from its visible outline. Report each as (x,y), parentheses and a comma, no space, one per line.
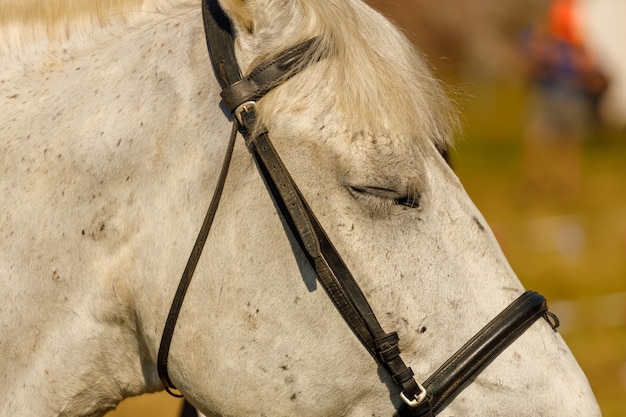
(240,95)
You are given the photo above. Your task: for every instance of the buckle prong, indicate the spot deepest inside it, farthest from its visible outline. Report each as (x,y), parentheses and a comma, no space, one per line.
(244,107)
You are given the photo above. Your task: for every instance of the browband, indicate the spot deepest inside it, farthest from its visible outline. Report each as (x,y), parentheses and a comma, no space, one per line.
(237,90)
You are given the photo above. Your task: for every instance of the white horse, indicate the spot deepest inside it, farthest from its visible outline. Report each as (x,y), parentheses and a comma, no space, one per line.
(110,142)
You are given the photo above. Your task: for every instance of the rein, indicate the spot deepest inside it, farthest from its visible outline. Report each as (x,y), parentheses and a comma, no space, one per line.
(240,95)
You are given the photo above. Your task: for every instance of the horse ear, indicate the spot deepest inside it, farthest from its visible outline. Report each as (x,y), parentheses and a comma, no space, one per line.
(252,17)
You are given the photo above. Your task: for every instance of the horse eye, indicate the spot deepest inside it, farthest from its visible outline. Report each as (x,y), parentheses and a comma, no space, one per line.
(410,201)
(379,196)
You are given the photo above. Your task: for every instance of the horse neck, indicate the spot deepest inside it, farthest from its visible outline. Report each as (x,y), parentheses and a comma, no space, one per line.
(138,168)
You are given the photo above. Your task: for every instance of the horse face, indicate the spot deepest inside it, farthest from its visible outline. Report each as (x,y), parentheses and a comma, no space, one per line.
(360,131)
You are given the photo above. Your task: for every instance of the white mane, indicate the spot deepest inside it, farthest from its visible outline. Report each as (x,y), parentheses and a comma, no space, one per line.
(26,21)
(366,46)
(374,71)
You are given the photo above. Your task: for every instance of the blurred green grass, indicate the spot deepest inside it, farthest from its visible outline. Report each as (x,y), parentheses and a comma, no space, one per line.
(532,229)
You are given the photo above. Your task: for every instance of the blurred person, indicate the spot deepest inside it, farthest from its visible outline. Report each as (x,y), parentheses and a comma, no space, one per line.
(566,85)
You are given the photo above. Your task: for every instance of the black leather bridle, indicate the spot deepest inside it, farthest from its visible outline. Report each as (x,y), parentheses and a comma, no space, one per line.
(240,95)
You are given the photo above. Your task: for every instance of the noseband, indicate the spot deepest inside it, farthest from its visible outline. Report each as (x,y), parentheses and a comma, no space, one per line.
(240,95)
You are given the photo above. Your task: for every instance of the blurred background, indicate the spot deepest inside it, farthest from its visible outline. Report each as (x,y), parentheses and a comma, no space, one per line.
(541,91)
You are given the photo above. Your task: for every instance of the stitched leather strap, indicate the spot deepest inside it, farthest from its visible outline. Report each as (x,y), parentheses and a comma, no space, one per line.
(265,77)
(332,272)
(452,377)
(236,89)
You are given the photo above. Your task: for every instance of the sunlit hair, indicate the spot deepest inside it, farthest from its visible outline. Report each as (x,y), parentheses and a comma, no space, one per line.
(380,82)
(25,21)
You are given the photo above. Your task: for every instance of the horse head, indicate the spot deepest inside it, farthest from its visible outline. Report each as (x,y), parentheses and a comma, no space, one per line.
(134,152)
(361,129)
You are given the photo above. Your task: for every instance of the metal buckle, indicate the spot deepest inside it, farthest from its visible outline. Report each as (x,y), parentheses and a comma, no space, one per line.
(417,399)
(244,107)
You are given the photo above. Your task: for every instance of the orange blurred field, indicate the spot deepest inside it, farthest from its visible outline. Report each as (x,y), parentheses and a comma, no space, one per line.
(149,405)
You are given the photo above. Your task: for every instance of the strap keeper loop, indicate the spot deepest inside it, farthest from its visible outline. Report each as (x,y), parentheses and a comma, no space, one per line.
(403,376)
(389,353)
(388,339)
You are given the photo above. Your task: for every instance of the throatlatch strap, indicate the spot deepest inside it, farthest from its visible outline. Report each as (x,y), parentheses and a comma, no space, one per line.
(192,262)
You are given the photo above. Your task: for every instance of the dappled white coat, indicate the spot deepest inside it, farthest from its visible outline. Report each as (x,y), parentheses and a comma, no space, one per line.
(109,147)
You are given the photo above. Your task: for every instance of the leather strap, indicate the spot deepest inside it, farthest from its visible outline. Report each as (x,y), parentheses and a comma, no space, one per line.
(265,77)
(192,263)
(221,49)
(236,89)
(332,272)
(464,365)
(220,43)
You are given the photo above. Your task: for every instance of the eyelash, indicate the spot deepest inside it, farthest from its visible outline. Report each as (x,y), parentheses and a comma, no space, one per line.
(384,206)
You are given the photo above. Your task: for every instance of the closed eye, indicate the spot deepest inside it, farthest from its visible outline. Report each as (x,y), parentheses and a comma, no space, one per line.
(410,200)
(383,200)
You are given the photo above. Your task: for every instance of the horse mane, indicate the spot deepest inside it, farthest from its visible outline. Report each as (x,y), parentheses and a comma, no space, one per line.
(379,77)
(380,80)
(26,21)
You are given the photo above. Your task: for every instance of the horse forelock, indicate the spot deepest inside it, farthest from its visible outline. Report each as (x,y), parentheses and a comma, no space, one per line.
(377,78)
(25,21)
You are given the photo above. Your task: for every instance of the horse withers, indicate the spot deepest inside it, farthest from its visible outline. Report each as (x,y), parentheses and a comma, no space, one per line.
(112,136)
